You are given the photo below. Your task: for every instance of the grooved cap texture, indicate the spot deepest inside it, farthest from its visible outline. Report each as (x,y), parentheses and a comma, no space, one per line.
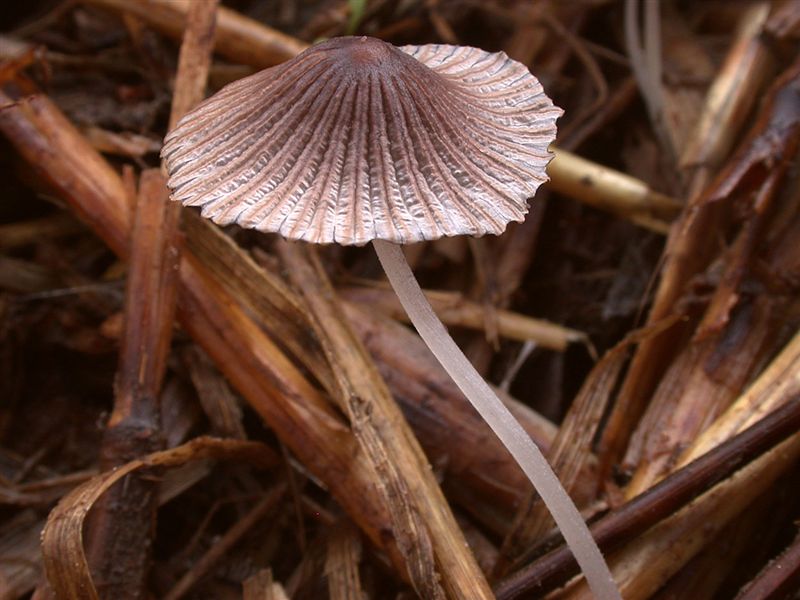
(355,139)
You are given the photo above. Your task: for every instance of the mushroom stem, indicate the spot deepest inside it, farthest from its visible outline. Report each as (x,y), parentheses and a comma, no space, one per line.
(497,416)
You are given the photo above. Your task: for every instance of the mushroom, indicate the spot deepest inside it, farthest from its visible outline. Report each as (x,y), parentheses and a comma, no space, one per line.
(356,141)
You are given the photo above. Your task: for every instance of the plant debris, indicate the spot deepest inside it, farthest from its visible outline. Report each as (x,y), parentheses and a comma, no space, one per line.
(642,323)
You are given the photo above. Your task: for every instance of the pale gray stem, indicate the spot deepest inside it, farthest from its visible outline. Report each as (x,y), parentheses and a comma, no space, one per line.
(501,421)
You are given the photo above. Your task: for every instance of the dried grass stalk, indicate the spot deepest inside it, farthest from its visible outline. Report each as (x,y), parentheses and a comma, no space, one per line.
(341,564)
(690,249)
(646,563)
(661,501)
(455,310)
(238,38)
(424,528)
(610,190)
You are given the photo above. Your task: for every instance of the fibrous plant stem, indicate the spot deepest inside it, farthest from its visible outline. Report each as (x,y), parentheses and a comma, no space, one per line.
(500,420)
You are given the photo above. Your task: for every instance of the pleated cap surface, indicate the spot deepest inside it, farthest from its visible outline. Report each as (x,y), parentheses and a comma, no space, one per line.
(355,139)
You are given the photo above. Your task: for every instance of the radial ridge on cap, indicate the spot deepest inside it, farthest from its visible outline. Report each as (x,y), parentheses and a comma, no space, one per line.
(355,139)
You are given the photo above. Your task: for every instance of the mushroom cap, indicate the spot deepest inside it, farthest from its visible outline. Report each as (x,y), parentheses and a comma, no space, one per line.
(355,139)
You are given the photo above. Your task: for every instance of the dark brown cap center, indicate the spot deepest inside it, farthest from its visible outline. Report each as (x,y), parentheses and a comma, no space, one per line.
(365,54)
